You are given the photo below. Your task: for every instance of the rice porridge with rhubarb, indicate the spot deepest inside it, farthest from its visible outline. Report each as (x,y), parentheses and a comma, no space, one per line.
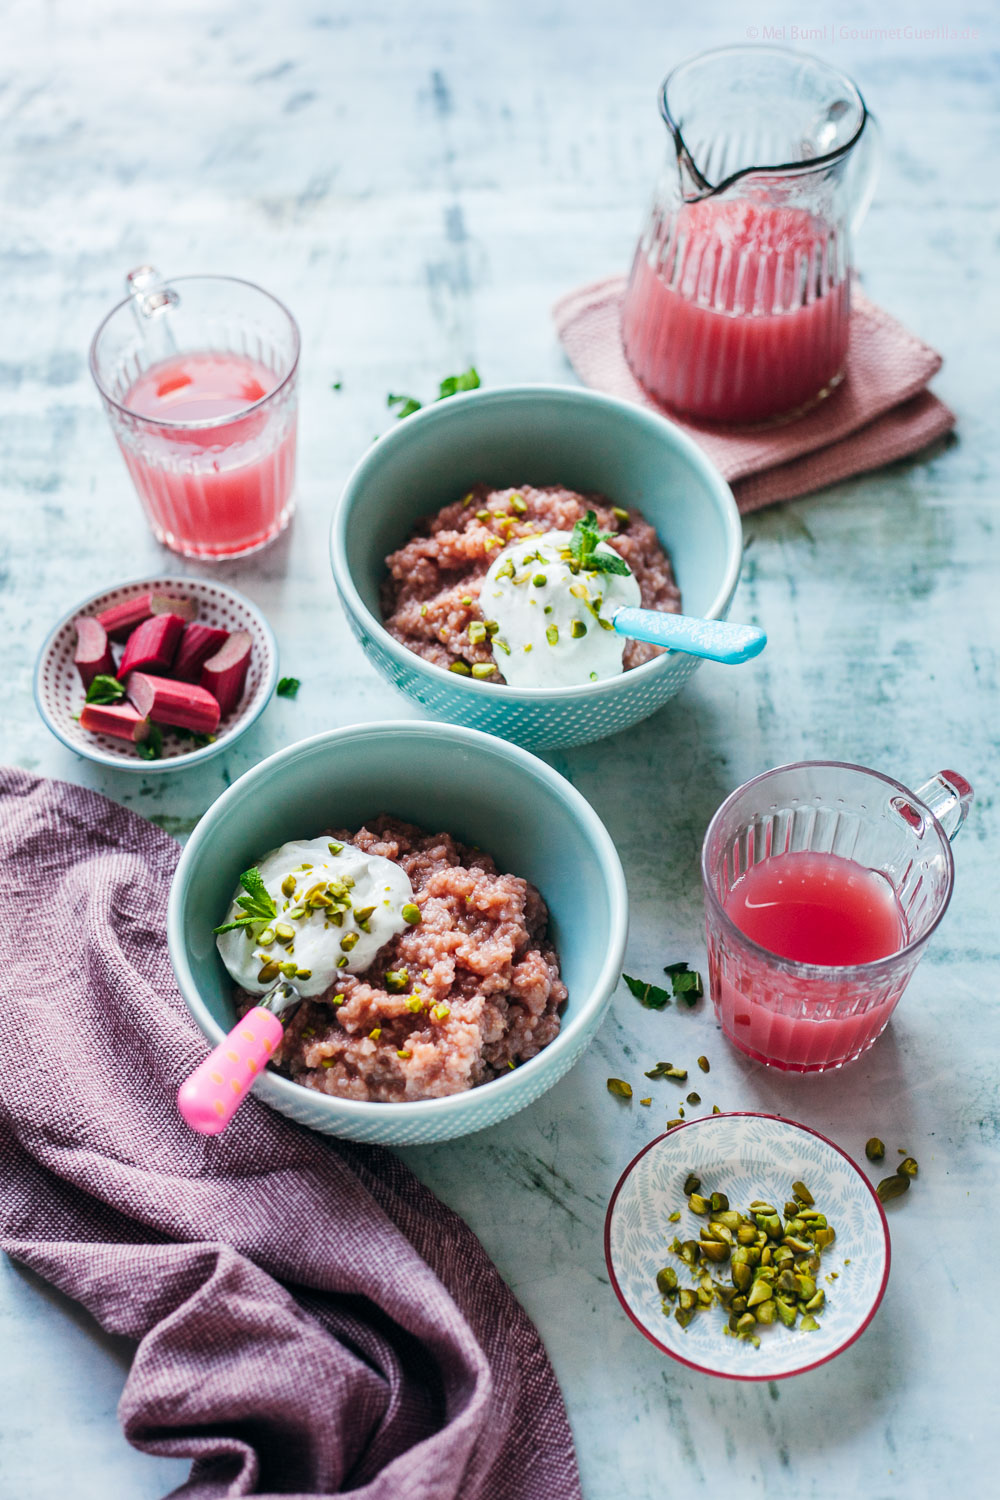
(520,586)
(424,969)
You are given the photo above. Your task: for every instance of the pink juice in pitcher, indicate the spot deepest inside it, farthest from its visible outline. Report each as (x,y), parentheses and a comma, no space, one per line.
(210,444)
(817,909)
(737,312)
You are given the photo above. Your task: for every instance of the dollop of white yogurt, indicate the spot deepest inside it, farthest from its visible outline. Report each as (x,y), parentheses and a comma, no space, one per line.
(553,624)
(326,940)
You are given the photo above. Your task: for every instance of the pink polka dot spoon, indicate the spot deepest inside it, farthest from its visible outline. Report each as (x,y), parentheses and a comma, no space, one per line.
(215,1090)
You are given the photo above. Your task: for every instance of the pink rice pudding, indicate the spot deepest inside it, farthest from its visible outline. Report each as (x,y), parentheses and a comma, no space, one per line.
(430,595)
(473,989)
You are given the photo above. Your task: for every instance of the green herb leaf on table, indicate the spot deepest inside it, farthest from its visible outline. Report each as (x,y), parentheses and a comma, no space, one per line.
(407,405)
(288,687)
(452,384)
(649,995)
(105,689)
(583,548)
(688,987)
(151,748)
(686,983)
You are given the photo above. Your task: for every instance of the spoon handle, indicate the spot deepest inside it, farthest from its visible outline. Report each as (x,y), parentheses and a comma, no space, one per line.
(217,1087)
(719,640)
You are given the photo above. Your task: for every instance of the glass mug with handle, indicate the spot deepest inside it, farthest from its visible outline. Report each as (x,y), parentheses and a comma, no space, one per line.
(847,873)
(198,376)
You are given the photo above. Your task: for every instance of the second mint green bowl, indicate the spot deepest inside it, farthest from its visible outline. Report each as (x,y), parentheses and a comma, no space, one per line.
(481,790)
(539,435)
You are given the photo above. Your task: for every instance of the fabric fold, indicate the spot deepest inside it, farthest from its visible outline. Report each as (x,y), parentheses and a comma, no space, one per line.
(310,1319)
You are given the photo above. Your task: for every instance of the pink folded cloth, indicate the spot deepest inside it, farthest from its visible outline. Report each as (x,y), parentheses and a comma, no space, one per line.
(881,412)
(310,1319)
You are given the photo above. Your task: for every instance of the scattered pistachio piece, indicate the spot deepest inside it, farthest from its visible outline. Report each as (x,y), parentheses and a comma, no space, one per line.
(875,1149)
(892,1187)
(619,1088)
(703,1064)
(909,1166)
(411,913)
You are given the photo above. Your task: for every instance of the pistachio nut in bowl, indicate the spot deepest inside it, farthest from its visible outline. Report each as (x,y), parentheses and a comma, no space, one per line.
(461,482)
(499,928)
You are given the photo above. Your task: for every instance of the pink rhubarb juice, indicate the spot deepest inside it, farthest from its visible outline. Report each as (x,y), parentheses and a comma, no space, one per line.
(817,909)
(212,458)
(738,312)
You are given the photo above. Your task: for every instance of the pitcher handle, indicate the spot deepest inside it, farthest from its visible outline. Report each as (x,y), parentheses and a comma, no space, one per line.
(867,161)
(949,797)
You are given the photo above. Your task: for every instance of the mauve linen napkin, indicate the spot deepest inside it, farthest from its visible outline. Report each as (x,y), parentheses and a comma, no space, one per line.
(310,1319)
(880,413)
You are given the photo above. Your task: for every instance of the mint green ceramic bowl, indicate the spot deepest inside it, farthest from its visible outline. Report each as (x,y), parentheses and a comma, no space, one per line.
(482,790)
(536,434)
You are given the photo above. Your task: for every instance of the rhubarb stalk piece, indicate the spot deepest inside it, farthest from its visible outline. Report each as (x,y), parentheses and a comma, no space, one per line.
(121,619)
(119,719)
(152,644)
(168,702)
(93,653)
(224,674)
(198,643)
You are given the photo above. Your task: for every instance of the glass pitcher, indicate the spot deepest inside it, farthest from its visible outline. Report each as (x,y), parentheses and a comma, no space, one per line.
(738,305)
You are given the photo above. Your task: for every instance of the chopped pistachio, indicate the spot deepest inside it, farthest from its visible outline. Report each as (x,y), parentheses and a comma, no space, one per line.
(483,669)
(411,913)
(619,1088)
(892,1187)
(578,630)
(909,1166)
(703,1064)
(459,668)
(552,634)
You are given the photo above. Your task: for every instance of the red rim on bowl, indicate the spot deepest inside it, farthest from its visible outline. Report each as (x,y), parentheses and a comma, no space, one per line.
(747,1114)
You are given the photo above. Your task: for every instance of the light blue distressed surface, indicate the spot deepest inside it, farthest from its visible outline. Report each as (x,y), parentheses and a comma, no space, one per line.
(419,184)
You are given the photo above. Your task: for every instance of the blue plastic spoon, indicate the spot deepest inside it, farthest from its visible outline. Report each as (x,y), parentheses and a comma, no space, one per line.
(719,640)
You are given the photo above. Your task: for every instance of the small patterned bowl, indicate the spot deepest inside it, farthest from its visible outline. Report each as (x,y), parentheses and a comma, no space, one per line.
(746,1156)
(476,787)
(59,692)
(536,434)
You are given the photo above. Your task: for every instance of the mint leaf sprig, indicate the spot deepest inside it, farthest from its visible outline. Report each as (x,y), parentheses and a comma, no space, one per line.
(105,689)
(583,548)
(257,903)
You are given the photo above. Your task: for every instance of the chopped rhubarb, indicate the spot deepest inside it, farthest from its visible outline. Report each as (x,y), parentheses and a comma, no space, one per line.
(121,619)
(119,719)
(168,702)
(198,643)
(93,654)
(151,644)
(224,674)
